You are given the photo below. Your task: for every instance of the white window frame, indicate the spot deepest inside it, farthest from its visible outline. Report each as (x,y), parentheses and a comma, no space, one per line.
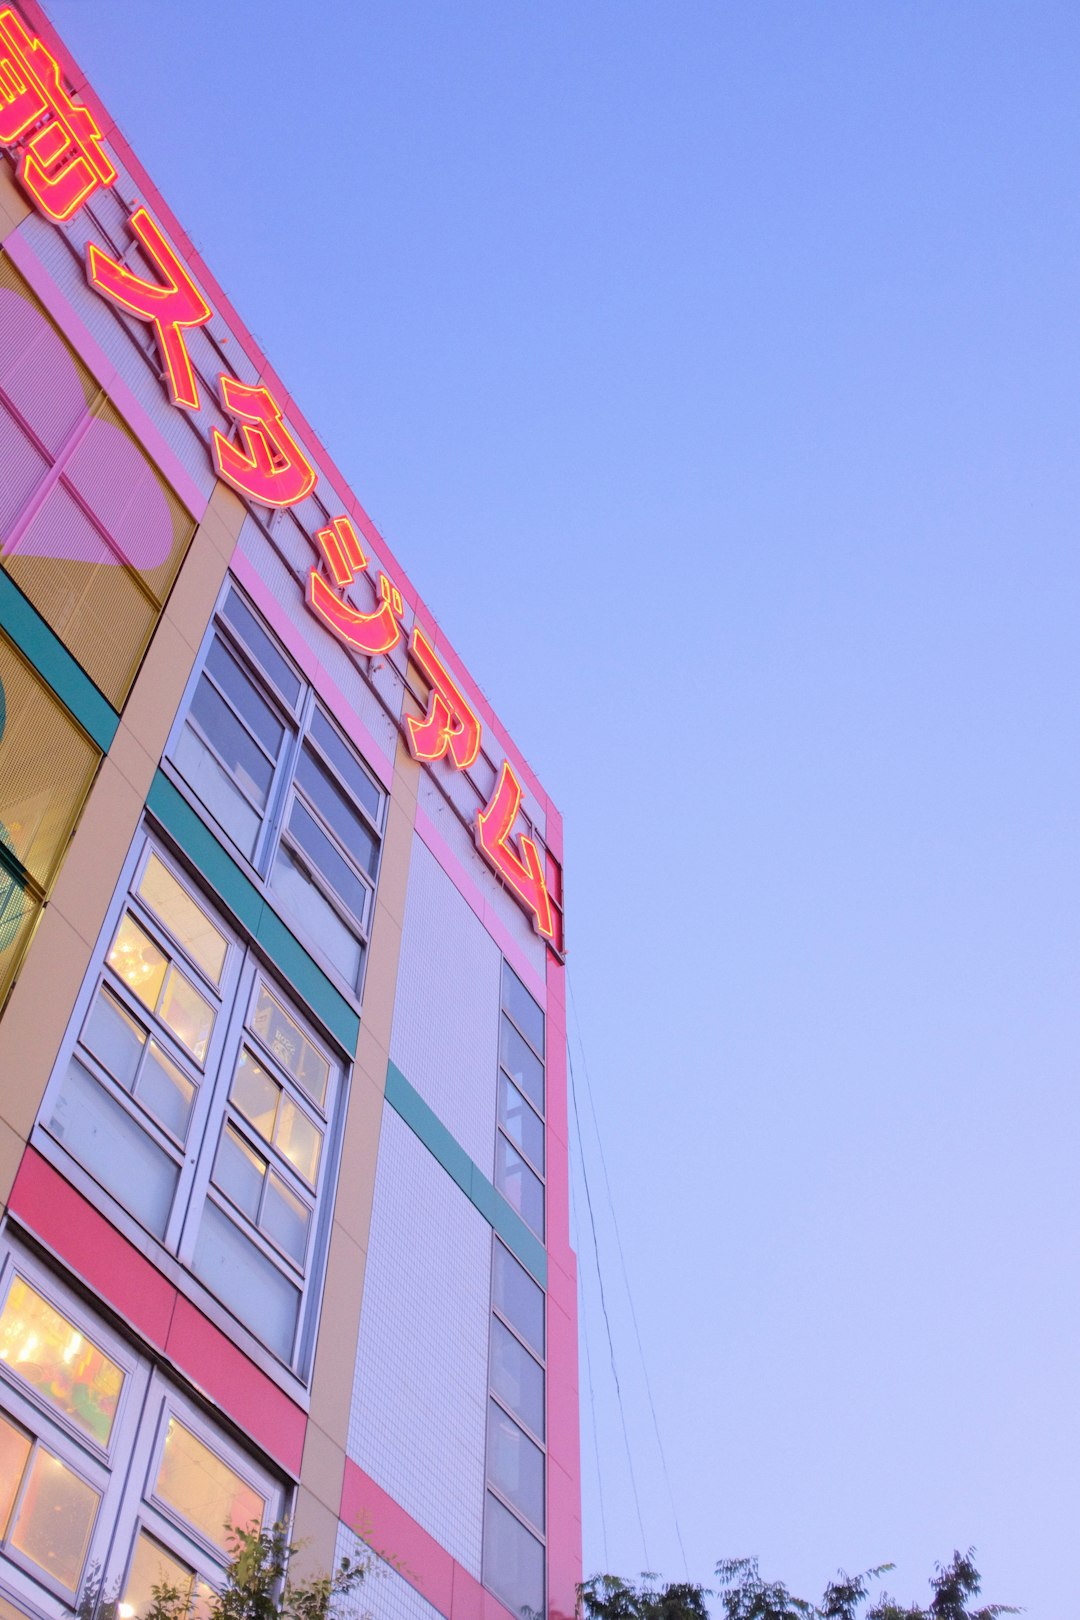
(284,791)
(234,1002)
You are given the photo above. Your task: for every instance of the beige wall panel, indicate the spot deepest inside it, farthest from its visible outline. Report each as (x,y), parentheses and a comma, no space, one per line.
(14,206)
(339,1325)
(89,874)
(36,1016)
(11,1152)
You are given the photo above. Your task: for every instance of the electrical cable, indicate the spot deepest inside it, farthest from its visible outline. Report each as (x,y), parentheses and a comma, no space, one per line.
(603,1307)
(592,1397)
(626,1278)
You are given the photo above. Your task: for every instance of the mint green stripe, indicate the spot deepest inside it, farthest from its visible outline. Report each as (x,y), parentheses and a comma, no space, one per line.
(56,666)
(406,1101)
(300,971)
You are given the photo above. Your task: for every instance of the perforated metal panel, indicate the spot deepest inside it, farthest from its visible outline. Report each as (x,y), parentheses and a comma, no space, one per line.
(129,344)
(446,1016)
(46,767)
(420,1392)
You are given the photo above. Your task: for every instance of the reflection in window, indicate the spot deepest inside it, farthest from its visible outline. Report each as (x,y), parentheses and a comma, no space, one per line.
(185,919)
(67,1369)
(204,1490)
(286,1041)
(513,1560)
(51,1525)
(152,1566)
(161,987)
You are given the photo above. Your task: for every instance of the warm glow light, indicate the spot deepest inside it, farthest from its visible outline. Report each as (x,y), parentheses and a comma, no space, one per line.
(369,633)
(171,305)
(268,465)
(60,160)
(524,873)
(449,726)
(342,550)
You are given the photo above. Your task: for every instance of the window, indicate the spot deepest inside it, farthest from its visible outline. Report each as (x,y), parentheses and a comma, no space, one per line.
(201,1102)
(515,1500)
(103,1465)
(519,1142)
(283,786)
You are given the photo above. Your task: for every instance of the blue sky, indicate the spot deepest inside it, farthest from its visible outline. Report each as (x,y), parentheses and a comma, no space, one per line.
(712,368)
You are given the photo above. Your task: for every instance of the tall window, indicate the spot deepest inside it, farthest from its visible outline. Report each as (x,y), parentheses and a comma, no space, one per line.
(515,1501)
(103,1465)
(283,786)
(200,1100)
(519,1145)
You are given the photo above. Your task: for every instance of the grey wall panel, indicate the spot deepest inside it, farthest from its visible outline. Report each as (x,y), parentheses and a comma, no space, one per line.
(462,844)
(420,1391)
(446,1016)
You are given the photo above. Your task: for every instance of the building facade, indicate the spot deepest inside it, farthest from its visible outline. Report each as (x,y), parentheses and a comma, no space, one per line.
(283,1132)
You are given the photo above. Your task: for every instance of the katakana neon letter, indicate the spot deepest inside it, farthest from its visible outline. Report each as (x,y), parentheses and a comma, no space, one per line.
(370,633)
(524,873)
(270,467)
(60,146)
(173,303)
(449,726)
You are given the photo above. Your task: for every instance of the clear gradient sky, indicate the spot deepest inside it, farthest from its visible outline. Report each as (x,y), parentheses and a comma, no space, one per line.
(714,370)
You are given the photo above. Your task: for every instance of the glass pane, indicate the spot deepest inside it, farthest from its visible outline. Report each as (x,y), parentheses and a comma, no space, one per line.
(196,1483)
(166,1092)
(285,1219)
(239,1173)
(316,918)
(234,747)
(259,643)
(55,1518)
(527,1014)
(185,919)
(284,1038)
(299,1141)
(66,1368)
(242,694)
(347,766)
(519,1299)
(189,1015)
(137,961)
(520,1122)
(114,1037)
(247,1282)
(516,1378)
(14,1450)
(217,790)
(513,1561)
(256,1094)
(521,1062)
(337,812)
(334,868)
(515,1465)
(117,1152)
(152,1566)
(522,1190)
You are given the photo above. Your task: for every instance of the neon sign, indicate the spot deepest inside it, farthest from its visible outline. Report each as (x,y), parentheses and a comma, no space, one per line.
(60,164)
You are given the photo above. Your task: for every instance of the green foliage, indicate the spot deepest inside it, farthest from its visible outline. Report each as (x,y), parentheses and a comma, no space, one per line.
(257,1586)
(744,1595)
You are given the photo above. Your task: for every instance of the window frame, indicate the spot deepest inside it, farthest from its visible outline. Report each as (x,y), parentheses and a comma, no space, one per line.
(274,833)
(506,1078)
(235,1001)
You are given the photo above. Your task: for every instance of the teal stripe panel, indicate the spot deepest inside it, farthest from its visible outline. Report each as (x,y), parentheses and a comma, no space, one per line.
(300,971)
(63,673)
(406,1101)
